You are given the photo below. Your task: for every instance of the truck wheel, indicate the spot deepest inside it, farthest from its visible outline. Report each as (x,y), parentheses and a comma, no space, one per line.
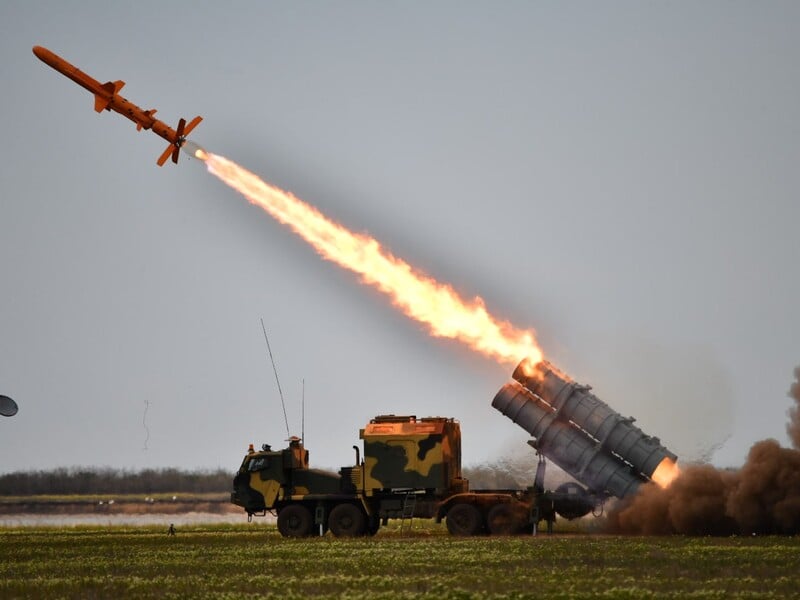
(373,524)
(295,521)
(347,520)
(464,519)
(505,519)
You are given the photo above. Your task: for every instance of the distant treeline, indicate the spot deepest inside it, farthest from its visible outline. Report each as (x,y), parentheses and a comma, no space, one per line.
(78,480)
(509,472)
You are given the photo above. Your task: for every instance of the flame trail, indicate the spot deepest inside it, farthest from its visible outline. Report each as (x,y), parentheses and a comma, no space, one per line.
(414,292)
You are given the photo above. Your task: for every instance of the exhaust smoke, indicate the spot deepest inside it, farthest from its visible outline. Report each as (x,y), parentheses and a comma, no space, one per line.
(793,426)
(762,497)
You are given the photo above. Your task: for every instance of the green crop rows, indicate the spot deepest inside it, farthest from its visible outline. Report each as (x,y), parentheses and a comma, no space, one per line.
(255,562)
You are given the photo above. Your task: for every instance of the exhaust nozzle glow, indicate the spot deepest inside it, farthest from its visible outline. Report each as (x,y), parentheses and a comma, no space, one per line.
(194,150)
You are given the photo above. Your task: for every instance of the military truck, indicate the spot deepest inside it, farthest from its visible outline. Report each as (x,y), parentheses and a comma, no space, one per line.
(411,468)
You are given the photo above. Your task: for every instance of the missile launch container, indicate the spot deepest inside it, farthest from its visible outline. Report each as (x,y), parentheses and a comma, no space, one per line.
(581,433)
(411,469)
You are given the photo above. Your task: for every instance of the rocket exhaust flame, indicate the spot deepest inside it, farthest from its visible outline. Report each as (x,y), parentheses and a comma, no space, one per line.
(666,472)
(419,296)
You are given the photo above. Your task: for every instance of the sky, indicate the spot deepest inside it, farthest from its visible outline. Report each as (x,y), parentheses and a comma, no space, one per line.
(620,177)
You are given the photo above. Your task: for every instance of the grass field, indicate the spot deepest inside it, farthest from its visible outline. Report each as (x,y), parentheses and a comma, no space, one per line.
(251,561)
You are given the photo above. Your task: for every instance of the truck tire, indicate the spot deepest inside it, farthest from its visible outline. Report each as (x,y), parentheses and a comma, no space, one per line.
(464,519)
(373,525)
(505,519)
(295,521)
(347,520)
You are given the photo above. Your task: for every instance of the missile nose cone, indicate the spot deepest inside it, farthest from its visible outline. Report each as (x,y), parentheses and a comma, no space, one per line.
(42,53)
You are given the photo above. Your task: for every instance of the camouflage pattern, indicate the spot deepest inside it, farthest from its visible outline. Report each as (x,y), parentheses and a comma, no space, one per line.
(406,453)
(268,478)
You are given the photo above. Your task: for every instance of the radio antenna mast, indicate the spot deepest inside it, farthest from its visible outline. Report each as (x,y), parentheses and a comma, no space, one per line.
(303,414)
(278,381)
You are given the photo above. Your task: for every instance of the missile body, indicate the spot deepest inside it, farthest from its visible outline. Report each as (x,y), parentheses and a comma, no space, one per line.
(106,97)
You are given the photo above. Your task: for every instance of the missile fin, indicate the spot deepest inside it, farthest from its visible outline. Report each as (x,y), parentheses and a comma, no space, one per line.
(112,87)
(192,124)
(163,158)
(100,103)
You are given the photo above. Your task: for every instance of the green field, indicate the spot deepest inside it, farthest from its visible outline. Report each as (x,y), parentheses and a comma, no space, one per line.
(254,561)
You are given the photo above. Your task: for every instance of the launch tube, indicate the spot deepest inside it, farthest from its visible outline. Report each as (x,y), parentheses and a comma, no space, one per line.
(574,402)
(566,445)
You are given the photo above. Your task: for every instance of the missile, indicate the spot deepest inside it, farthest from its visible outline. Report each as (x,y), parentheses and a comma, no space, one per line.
(106,97)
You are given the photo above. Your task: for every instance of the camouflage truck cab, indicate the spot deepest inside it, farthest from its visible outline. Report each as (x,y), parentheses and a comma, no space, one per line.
(406,453)
(268,478)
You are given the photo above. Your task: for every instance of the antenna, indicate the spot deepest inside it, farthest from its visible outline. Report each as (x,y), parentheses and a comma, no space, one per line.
(303,414)
(275,370)
(144,423)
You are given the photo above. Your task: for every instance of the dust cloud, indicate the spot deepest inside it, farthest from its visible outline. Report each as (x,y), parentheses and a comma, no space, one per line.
(762,497)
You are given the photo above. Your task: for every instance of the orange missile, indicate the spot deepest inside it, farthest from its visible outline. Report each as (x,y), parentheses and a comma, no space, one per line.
(106,97)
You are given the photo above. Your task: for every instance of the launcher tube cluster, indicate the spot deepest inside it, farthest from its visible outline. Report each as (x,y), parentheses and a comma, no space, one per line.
(579,432)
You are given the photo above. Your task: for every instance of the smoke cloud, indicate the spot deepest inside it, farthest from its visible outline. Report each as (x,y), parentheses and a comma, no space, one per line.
(762,497)
(793,426)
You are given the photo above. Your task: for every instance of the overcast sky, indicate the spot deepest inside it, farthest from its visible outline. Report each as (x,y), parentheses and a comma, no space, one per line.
(621,177)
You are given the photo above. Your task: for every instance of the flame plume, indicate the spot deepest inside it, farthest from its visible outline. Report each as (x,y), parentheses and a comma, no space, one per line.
(666,472)
(418,295)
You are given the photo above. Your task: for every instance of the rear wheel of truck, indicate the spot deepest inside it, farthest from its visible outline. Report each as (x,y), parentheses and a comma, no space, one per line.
(347,520)
(464,519)
(373,524)
(295,520)
(505,519)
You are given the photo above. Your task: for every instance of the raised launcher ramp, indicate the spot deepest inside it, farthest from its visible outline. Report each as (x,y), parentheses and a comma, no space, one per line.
(579,432)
